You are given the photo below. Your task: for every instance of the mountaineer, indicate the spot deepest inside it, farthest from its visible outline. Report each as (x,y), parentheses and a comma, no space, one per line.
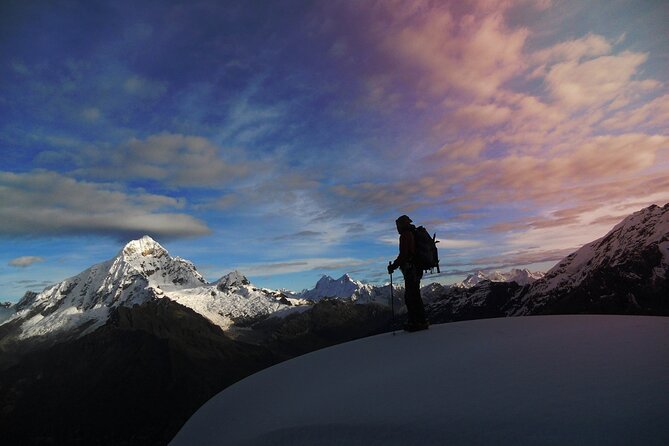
(407,262)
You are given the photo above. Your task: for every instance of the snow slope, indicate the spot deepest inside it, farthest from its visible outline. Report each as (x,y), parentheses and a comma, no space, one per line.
(530,380)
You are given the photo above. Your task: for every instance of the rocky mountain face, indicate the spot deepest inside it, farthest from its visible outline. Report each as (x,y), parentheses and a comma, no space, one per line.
(133,381)
(626,271)
(488,299)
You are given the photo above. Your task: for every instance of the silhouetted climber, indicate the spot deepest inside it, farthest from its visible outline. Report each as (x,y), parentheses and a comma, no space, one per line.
(412,273)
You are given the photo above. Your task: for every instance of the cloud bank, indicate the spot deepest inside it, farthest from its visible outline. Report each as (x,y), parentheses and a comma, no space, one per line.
(47,203)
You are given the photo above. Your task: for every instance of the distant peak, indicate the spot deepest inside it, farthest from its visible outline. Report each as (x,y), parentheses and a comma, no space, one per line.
(233,279)
(145,246)
(325,279)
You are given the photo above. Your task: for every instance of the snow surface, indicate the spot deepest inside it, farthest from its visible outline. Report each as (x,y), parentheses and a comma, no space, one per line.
(530,380)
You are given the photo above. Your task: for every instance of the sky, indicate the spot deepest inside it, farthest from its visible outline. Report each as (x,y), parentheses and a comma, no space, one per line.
(283,139)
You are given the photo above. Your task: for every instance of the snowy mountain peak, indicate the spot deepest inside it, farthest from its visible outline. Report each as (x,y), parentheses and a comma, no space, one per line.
(231,280)
(648,225)
(144,247)
(327,287)
(520,276)
(327,280)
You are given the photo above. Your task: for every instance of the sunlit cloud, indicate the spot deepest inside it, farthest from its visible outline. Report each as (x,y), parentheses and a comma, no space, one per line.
(475,53)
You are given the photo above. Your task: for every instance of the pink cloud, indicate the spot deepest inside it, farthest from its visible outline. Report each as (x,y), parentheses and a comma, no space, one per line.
(461,149)
(599,162)
(483,115)
(474,53)
(562,132)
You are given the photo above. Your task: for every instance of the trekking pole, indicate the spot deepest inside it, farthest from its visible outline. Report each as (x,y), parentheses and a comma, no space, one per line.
(392,299)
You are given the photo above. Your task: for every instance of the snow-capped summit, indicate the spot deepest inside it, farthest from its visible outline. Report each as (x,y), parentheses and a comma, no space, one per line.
(150,259)
(347,288)
(327,287)
(144,247)
(231,280)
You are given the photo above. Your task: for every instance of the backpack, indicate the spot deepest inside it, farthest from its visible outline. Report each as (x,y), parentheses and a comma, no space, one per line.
(427,256)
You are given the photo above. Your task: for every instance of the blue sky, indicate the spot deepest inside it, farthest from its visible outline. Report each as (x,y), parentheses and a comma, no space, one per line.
(284,138)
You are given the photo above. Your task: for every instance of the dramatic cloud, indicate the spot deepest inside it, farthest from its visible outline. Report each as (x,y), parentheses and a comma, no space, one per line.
(42,202)
(25,261)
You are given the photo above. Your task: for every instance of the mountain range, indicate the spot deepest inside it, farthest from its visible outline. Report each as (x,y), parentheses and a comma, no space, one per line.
(624,272)
(143,271)
(144,340)
(520,276)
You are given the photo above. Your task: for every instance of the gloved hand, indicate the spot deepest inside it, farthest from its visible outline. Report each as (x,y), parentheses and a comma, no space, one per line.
(391,268)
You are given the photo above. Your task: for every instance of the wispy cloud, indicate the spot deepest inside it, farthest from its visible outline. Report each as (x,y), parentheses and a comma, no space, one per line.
(25,261)
(300,265)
